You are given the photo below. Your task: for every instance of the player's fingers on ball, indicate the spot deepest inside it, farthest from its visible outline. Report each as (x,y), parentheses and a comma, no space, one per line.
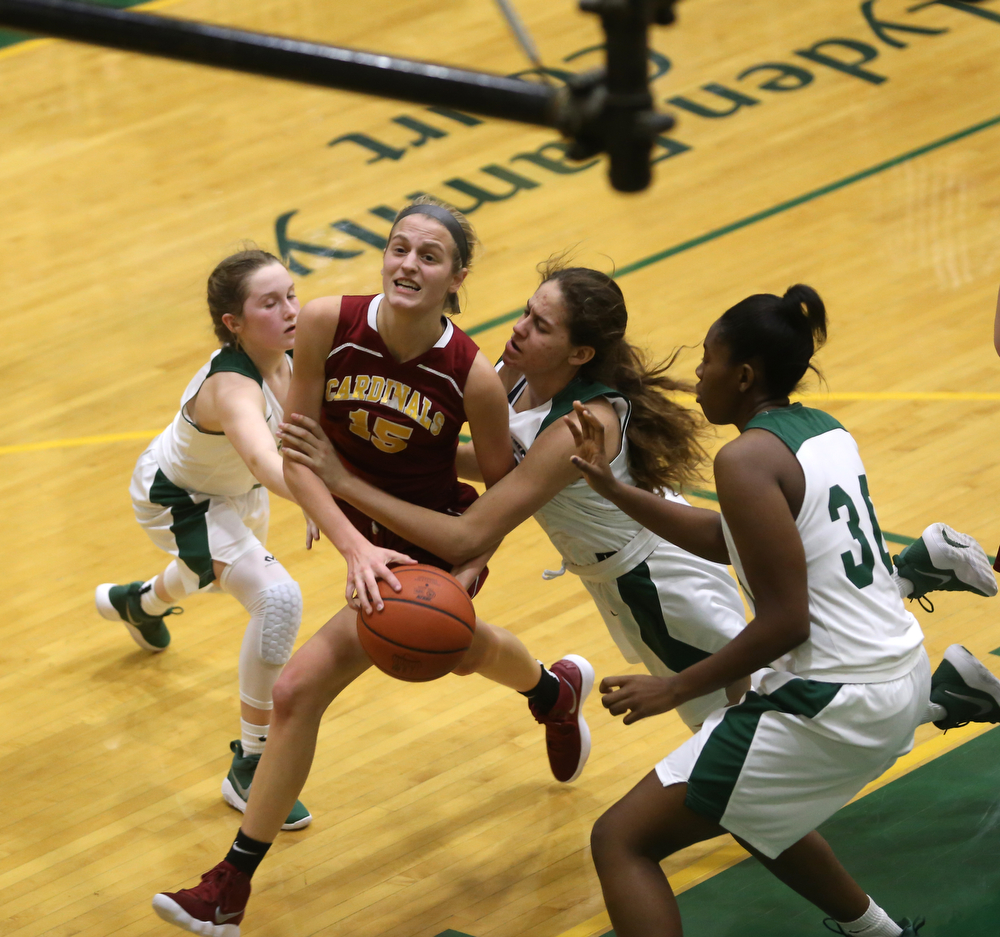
(356,588)
(387,574)
(371,589)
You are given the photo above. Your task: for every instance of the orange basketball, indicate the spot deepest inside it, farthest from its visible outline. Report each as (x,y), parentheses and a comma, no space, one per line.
(422,632)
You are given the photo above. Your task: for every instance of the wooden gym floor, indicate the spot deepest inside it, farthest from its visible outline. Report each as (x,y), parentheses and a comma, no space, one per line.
(863,160)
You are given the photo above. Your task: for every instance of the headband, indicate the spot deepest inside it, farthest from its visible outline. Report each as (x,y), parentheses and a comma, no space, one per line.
(448,220)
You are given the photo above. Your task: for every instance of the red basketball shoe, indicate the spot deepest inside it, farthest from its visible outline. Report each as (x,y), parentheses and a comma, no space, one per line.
(567,736)
(214,908)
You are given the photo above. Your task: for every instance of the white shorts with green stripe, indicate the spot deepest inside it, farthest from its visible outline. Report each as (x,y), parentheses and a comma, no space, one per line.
(197,528)
(670,611)
(774,767)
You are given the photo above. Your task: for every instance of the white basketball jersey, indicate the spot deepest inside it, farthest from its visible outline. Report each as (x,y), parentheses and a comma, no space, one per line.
(859,630)
(207,462)
(579,522)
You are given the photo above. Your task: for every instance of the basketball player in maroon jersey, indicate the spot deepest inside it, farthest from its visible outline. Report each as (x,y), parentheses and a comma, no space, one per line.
(391,380)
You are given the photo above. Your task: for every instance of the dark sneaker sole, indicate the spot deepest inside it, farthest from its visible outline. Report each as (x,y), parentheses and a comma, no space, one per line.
(173,913)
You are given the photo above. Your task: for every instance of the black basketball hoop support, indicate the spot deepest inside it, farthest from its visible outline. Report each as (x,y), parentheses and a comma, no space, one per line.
(608,110)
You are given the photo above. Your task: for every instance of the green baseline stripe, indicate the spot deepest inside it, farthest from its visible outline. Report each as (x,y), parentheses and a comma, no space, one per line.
(769,212)
(924,844)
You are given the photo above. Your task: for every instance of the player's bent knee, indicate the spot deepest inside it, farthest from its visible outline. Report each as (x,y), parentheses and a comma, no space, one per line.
(484,650)
(293,693)
(604,840)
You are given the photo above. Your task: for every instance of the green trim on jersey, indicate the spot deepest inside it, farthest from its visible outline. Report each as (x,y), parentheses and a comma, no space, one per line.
(795,424)
(638,591)
(235,359)
(721,760)
(189,527)
(576,389)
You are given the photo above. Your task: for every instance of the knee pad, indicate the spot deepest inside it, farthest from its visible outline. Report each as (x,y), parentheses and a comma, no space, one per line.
(280,617)
(268,641)
(273,599)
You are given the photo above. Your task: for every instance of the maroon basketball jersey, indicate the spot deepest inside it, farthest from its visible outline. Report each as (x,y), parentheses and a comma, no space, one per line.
(397,424)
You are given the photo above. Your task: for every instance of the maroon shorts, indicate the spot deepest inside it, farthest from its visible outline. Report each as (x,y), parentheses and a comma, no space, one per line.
(381,537)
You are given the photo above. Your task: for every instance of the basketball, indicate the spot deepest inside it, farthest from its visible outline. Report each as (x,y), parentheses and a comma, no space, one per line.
(423,631)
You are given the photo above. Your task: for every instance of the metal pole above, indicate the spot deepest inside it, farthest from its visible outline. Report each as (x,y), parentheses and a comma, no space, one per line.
(292,59)
(607,111)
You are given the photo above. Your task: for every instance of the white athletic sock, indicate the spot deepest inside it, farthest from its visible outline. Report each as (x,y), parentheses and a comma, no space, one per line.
(873,923)
(151,603)
(904,585)
(253,738)
(935,712)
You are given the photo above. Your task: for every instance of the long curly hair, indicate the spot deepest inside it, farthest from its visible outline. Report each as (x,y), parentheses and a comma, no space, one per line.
(665,438)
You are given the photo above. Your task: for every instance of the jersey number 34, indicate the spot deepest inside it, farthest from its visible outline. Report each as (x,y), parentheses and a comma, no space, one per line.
(861,574)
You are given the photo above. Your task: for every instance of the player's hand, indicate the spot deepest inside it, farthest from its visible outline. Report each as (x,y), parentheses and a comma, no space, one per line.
(366,564)
(590,457)
(638,696)
(303,441)
(312,531)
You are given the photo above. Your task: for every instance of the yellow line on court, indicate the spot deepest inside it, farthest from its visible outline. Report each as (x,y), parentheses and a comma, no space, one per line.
(730,853)
(943,396)
(79,441)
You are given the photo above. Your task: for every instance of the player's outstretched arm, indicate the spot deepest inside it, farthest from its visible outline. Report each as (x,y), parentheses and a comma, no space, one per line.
(696,530)
(747,473)
(237,403)
(366,563)
(541,475)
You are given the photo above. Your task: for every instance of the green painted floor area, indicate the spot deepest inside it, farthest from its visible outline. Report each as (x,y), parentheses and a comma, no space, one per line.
(9,37)
(926,844)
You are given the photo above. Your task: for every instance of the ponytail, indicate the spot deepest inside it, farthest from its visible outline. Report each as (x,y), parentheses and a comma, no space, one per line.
(779,334)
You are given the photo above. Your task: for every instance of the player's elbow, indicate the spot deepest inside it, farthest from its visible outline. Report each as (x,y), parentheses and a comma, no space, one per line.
(467,546)
(793,631)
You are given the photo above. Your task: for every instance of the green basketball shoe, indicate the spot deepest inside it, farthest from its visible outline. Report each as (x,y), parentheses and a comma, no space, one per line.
(965,688)
(236,788)
(944,560)
(124,603)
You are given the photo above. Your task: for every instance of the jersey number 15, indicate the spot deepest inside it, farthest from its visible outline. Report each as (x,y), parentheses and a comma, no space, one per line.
(384,435)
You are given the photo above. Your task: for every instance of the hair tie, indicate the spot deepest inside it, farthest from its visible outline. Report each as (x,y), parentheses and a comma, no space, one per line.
(448,220)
